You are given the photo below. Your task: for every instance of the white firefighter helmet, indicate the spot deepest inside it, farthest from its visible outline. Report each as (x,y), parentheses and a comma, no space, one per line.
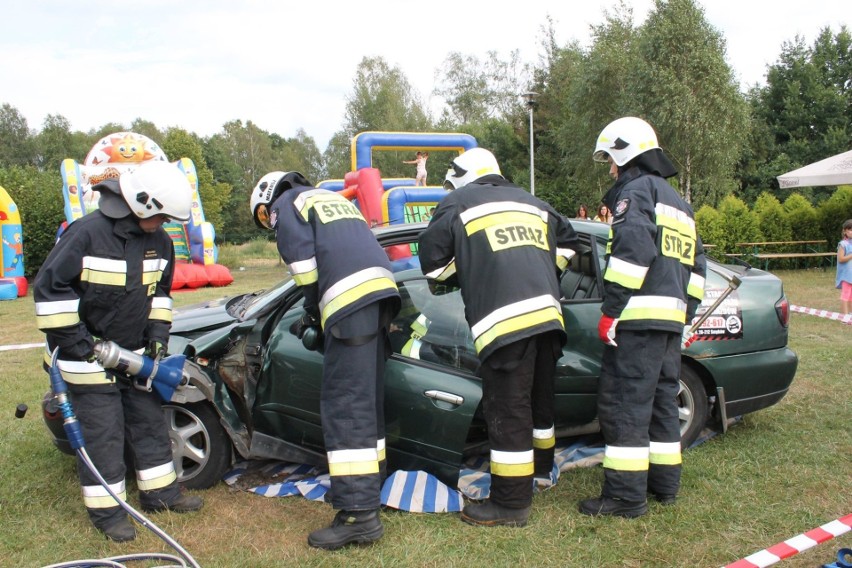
(268,189)
(469,167)
(157,188)
(624,139)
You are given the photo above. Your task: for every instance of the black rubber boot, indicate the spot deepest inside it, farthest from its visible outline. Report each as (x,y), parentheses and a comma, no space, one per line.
(183,504)
(348,527)
(490,514)
(121,530)
(607,506)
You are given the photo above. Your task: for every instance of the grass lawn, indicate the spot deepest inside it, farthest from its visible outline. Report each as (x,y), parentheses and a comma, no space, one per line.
(776,474)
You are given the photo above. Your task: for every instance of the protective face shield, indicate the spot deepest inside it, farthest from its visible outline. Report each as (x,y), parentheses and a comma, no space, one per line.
(624,139)
(157,188)
(268,189)
(469,167)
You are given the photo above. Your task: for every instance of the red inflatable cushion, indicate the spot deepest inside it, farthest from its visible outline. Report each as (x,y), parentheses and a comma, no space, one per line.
(218,275)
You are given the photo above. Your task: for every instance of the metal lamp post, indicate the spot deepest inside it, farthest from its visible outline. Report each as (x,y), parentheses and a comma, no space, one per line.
(529,98)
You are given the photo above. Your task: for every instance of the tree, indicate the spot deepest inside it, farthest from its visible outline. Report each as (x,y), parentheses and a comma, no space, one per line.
(250,149)
(687,91)
(581,92)
(16,146)
(805,109)
(57,142)
(177,144)
(382,99)
(476,91)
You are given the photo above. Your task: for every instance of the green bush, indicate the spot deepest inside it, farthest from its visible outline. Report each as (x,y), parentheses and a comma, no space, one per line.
(833,212)
(803,218)
(38,196)
(772,220)
(711,228)
(740,225)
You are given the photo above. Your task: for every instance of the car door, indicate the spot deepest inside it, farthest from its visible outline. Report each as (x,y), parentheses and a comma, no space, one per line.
(578,368)
(431,391)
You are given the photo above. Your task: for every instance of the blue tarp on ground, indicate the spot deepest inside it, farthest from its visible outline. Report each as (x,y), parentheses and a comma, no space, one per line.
(414,491)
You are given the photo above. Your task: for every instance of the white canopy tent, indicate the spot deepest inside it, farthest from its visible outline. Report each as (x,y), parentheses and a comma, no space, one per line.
(836,170)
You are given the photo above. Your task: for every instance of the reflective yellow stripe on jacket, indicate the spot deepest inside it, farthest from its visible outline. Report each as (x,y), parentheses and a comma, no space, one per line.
(161,308)
(353,288)
(60,313)
(520,315)
(106,271)
(655,308)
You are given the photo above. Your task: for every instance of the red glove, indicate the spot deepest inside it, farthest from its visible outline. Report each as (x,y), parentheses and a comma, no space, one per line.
(606,330)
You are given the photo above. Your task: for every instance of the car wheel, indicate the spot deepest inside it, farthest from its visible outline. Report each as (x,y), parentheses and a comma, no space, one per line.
(201,448)
(692,406)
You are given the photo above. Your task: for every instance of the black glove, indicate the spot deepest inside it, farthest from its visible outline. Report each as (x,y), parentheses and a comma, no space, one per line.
(155,350)
(439,289)
(301,325)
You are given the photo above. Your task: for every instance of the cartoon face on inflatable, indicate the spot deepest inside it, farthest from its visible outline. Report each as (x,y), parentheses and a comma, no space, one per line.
(124,148)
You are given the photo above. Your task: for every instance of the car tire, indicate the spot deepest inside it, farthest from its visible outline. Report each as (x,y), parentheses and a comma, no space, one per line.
(693,407)
(201,447)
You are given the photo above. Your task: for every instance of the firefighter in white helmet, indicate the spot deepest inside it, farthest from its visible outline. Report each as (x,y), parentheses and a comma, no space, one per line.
(653,284)
(109,277)
(504,247)
(351,296)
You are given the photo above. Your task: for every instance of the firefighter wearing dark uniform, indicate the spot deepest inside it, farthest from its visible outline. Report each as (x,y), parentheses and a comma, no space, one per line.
(109,278)
(350,293)
(503,247)
(653,284)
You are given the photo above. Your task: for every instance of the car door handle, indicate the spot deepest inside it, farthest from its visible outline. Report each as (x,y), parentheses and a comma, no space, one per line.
(447,397)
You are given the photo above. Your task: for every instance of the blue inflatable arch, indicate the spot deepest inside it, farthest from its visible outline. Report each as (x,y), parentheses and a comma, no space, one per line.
(364,143)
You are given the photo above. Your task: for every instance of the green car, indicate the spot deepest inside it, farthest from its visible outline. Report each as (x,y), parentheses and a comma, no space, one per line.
(255,388)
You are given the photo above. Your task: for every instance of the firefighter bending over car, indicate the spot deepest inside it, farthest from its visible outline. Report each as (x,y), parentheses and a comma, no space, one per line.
(109,277)
(503,247)
(653,284)
(350,298)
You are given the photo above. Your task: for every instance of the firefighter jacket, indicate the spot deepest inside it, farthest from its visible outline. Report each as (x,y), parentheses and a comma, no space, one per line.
(655,268)
(332,254)
(106,279)
(504,248)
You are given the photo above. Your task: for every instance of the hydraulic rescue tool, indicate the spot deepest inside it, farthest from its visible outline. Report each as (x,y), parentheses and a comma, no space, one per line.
(163,376)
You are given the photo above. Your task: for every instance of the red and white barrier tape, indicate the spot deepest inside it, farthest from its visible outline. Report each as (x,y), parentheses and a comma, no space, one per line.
(842,318)
(795,545)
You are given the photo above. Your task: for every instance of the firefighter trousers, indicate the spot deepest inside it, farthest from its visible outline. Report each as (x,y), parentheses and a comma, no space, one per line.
(111,418)
(352,408)
(518,403)
(638,414)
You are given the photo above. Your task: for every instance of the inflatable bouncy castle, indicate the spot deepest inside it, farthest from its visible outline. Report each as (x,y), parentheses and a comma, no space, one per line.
(394,201)
(13,284)
(196,252)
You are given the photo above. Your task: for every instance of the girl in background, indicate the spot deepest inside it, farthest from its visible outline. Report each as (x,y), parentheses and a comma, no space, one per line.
(844,267)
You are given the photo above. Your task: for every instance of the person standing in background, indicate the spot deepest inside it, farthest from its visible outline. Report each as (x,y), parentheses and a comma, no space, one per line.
(420,161)
(604,214)
(844,267)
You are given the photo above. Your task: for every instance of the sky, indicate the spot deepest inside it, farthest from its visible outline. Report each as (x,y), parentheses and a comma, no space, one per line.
(289,65)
